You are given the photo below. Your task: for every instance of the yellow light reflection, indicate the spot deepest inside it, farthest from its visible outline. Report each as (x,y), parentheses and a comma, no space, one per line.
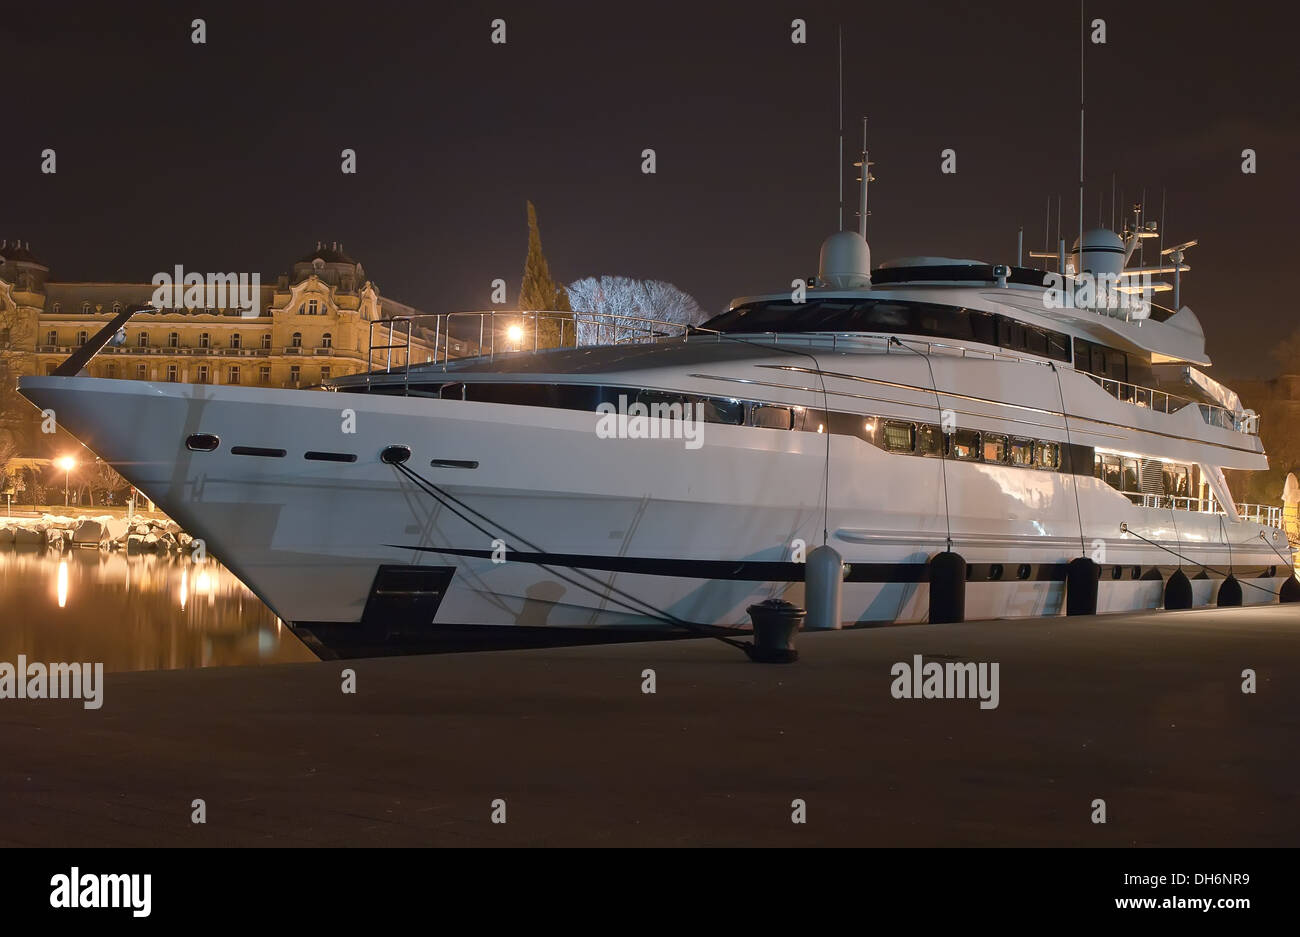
(63,583)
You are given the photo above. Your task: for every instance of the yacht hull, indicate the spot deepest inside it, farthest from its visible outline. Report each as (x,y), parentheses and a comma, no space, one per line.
(537,520)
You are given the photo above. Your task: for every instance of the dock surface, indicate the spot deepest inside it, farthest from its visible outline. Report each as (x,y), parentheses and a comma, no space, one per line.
(1144,711)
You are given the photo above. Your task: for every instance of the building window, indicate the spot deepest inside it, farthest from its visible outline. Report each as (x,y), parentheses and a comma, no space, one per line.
(58,308)
(232,375)
(266,342)
(85,309)
(140,372)
(312,307)
(236,341)
(264,374)
(173,340)
(117,307)
(49,369)
(5,337)
(327,340)
(142,340)
(205,340)
(297,339)
(51,337)
(82,337)
(171,373)
(203,374)
(111,370)
(295,373)
(325,373)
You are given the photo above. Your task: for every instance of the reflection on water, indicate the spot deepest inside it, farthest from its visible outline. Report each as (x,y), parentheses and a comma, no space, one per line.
(134,612)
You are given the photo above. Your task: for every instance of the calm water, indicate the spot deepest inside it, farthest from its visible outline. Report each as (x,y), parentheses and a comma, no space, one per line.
(138,612)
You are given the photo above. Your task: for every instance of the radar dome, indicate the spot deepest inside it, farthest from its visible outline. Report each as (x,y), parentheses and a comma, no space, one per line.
(1103,253)
(845,261)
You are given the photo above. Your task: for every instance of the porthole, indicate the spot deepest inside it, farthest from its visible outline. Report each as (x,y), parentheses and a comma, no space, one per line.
(201,442)
(1022,571)
(257,450)
(995,571)
(329,457)
(1137,572)
(395,455)
(1117,572)
(1270,572)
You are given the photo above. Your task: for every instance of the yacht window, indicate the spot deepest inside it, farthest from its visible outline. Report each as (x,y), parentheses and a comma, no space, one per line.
(929,440)
(1022,451)
(995,447)
(1048,455)
(965,444)
(1036,341)
(1011,334)
(724,411)
(898,437)
(1110,470)
(1175,479)
(1130,467)
(761,414)
(661,405)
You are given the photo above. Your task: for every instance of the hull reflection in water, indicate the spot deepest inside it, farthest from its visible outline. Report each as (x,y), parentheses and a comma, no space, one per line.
(134,612)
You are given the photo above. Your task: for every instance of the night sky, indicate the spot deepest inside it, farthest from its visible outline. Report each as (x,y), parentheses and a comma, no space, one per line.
(225,157)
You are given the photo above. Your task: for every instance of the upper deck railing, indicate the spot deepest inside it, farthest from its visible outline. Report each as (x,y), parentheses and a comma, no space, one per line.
(485,334)
(1164,402)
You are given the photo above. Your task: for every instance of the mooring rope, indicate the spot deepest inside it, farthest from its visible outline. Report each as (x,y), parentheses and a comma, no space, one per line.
(943,456)
(1125,529)
(451,502)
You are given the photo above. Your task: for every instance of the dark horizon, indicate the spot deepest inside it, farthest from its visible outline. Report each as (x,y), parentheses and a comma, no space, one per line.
(226,156)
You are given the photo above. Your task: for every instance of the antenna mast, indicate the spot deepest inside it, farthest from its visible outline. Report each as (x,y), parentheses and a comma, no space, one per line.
(862,192)
(1082,33)
(839,159)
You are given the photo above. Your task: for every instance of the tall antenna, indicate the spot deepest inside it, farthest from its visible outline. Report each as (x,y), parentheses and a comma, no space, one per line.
(839,159)
(1163,198)
(862,192)
(1082,33)
(1112,201)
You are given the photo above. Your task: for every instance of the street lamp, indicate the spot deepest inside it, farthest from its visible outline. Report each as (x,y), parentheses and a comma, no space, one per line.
(515,334)
(66,463)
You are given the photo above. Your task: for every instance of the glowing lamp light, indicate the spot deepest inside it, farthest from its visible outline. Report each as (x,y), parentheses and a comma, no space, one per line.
(67,463)
(515,333)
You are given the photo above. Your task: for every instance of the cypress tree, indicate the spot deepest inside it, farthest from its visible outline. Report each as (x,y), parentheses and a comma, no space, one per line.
(540,293)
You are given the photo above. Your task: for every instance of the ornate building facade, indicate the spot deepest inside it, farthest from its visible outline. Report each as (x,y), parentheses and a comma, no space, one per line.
(313,324)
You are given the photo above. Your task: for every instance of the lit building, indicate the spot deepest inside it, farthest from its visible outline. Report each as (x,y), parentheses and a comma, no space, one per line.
(312,324)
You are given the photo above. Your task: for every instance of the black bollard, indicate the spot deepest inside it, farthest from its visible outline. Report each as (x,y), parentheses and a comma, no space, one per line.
(1178,591)
(947,588)
(1230,592)
(1081,586)
(775,622)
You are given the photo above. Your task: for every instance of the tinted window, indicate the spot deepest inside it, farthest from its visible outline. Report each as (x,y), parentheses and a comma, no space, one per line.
(965,444)
(930,440)
(1022,452)
(770,417)
(1048,455)
(898,437)
(995,448)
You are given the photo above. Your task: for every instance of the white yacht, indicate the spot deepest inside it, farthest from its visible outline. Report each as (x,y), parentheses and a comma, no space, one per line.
(928,406)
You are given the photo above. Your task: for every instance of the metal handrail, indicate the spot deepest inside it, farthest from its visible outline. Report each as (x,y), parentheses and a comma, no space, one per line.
(1267,514)
(602,329)
(1164,402)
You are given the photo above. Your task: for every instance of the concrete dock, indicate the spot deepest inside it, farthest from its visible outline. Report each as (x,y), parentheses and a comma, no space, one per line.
(1144,711)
